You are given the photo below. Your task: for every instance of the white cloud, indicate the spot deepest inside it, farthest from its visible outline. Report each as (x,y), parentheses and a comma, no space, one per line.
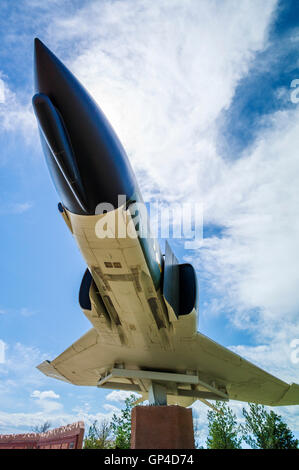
(3,347)
(252,270)
(15,115)
(44,395)
(20,207)
(19,369)
(26,312)
(256,200)
(16,208)
(18,376)
(274,356)
(22,422)
(2,91)
(20,379)
(163,73)
(119,395)
(111,408)
(45,400)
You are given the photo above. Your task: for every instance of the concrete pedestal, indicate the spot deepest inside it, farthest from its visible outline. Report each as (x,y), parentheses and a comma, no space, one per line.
(162,427)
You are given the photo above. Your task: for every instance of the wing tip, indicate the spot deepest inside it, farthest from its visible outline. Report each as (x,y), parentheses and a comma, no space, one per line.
(47,368)
(290,397)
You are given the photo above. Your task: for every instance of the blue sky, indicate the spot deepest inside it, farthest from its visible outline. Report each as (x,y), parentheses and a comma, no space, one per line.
(199,94)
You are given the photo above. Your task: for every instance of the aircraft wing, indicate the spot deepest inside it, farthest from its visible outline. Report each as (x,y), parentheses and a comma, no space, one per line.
(243,380)
(197,368)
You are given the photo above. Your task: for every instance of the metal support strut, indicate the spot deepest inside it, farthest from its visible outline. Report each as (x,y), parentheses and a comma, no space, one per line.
(157,394)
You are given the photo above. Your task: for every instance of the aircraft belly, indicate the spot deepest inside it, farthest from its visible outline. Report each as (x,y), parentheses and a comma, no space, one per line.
(120,271)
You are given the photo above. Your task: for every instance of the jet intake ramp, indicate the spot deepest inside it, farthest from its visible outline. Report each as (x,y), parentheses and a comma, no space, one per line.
(179,285)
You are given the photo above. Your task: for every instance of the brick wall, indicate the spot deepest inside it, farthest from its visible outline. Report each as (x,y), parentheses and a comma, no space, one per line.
(65,437)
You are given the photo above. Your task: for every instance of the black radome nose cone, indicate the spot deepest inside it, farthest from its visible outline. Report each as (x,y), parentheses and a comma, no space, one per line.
(103,167)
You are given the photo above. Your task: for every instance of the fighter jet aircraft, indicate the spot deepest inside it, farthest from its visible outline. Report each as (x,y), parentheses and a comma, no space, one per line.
(142,305)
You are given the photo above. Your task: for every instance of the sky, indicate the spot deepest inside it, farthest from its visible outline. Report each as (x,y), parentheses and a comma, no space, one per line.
(199,93)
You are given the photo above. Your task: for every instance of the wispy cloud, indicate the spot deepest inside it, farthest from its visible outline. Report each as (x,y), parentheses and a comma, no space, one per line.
(24,311)
(20,367)
(14,115)
(2,91)
(20,207)
(27,312)
(15,207)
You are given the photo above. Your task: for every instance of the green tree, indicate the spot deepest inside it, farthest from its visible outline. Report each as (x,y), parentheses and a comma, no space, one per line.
(223,428)
(99,436)
(266,430)
(121,425)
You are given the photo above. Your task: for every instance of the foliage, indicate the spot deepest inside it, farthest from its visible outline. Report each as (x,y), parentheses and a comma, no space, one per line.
(266,430)
(262,429)
(121,425)
(223,428)
(42,427)
(99,436)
